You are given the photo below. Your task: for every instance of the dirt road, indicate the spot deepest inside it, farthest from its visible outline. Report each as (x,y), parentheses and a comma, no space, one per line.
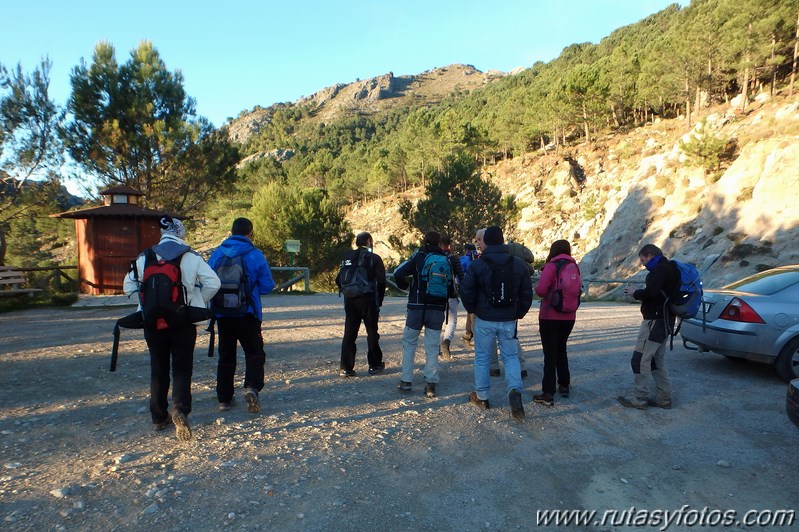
(77,451)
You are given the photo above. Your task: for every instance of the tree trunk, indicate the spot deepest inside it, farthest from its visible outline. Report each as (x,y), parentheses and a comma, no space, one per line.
(698,102)
(795,54)
(773,67)
(585,123)
(3,247)
(745,88)
(688,102)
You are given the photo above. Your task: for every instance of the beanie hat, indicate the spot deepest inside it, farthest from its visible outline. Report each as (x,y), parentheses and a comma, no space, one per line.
(493,236)
(172,226)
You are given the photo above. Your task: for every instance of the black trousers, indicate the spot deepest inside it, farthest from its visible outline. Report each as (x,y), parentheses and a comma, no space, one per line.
(173,348)
(360,309)
(247,332)
(554,337)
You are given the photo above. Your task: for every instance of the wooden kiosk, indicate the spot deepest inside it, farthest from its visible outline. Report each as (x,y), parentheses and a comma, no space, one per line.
(109,237)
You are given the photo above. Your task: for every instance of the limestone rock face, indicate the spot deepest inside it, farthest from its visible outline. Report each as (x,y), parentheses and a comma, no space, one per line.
(638,188)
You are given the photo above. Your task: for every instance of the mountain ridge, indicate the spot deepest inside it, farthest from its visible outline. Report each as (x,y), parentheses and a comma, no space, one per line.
(372,96)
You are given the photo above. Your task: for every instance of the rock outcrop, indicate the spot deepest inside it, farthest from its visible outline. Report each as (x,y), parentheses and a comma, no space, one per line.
(612,196)
(371,96)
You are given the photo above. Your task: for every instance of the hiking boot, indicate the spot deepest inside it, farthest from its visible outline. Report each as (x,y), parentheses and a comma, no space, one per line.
(524,373)
(544,399)
(482,403)
(224,406)
(347,373)
(162,425)
(374,370)
(430,390)
(659,404)
(516,408)
(632,403)
(467,340)
(445,352)
(563,391)
(253,404)
(182,429)
(494,372)
(404,386)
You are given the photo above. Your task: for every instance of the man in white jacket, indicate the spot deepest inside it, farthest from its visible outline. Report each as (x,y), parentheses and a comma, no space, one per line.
(174,343)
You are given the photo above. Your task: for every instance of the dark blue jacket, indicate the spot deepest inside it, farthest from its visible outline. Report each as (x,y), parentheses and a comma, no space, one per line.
(476,286)
(257,269)
(407,278)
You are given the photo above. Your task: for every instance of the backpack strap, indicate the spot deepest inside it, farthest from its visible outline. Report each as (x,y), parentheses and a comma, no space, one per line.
(210,330)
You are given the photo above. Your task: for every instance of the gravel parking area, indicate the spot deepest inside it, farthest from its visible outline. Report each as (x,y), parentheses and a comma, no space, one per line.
(78,453)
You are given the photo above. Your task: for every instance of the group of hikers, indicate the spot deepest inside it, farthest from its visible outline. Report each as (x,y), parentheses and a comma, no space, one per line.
(492,280)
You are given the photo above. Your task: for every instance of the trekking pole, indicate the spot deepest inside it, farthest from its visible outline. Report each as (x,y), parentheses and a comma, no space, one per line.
(210,330)
(115,348)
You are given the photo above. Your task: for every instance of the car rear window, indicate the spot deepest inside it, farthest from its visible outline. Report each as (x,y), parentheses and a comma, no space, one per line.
(766,283)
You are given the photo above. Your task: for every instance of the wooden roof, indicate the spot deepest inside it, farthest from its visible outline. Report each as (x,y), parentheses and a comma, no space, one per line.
(106,211)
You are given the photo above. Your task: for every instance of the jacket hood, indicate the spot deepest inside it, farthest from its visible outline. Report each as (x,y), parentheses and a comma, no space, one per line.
(498,253)
(171,247)
(236,245)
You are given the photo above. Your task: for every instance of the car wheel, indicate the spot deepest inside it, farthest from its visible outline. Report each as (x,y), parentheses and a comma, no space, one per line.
(787,364)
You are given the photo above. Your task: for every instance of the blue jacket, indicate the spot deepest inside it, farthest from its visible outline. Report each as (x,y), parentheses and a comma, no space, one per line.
(467,259)
(476,286)
(407,278)
(257,269)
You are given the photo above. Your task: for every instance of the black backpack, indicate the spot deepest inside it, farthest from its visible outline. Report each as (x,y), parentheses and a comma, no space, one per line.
(161,292)
(502,291)
(354,277)
(234,295)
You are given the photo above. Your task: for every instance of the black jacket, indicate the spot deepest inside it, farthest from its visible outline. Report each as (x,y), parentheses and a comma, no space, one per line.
(407,278)
(375,270)
(476,286)
(662,282)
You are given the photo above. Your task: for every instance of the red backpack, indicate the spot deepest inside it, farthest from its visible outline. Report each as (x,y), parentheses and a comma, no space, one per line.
(568,292)
(161,292)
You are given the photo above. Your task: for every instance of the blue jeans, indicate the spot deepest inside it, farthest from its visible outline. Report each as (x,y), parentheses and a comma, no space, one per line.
(433,319)
(486,333)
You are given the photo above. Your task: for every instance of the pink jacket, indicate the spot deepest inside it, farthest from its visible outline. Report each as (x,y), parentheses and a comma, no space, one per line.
(546,284)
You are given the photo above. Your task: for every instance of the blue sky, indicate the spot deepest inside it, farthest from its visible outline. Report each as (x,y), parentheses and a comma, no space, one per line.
(236,54)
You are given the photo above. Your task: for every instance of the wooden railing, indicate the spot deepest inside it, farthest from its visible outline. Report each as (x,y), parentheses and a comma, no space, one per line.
(54,279)
(305,274)
(621,282)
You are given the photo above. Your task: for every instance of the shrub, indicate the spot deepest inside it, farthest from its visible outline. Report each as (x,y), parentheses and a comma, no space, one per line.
(703,148)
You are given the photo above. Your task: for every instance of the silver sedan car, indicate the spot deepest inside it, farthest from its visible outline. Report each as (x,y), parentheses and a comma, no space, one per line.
(756,318)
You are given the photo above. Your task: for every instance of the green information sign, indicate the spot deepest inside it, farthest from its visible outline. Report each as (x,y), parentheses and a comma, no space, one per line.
(292,246)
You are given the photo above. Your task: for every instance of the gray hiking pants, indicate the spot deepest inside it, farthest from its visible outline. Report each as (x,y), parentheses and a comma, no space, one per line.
(649,357)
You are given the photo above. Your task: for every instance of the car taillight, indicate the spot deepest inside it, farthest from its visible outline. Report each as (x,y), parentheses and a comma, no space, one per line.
(738,310)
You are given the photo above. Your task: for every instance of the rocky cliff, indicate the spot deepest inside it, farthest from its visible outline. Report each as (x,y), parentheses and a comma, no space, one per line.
(611,196)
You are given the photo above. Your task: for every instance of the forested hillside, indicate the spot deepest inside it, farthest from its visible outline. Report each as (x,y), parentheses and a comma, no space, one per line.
(669,64)
(551,150)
